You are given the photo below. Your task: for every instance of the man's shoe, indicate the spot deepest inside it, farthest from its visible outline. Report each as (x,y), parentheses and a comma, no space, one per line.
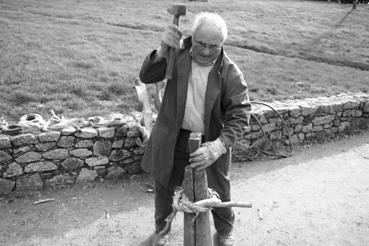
(225,239)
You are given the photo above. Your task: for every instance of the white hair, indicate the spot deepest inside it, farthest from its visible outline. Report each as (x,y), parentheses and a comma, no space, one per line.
(210,18)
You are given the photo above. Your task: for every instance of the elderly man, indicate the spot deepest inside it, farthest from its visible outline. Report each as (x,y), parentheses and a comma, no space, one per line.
(207,94)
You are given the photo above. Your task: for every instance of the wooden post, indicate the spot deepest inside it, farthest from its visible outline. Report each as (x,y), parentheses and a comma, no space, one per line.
(196,188)
(203,229)
(188,226)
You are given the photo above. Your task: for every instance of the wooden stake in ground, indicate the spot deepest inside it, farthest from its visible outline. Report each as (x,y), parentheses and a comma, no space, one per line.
(198,232)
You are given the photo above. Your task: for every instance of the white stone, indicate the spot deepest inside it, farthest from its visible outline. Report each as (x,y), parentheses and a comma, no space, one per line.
(97,161)
(49,136)
(29,157)
(106,132)
(42,166)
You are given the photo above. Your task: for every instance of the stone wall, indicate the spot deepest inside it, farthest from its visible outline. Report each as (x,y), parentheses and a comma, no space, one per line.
(64,158)
(308,120)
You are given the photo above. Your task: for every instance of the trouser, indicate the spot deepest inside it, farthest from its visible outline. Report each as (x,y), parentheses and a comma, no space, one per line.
(217,176)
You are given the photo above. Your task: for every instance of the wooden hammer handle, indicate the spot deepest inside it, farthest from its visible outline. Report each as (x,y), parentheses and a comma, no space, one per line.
(233,204)
(171,54)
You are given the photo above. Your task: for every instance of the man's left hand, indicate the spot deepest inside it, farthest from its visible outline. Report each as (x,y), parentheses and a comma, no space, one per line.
(207,154)
(201,158)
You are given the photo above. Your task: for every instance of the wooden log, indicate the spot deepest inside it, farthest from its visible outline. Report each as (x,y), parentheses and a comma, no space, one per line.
(196,233)
(188,225)
(203,228)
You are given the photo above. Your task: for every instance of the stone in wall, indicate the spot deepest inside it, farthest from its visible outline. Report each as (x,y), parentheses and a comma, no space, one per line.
(117,144)
(118,155)
(296,121)
(130,142)
(97,161)
(298,128)
(5,157)
(69,130)
(101,171)
(23,149)
(106,132)
(102,148)
(139,151)
(29,157)
(81,153)
(269,127)
(133,133)
(294,139)
(352,113)
(24,139)
(72,163)
(49,136)
(336,122)
(360,123)
(307,128)
(29,182)
(115,172)
(307,110)
(6,186)
(275,135)
(86,175)
(345,126)
(126,161)
(254,127)
(121,132)
(351,104)
(42,166)
(4,142)
(87,132)
(295,111)
(13,170)
(317,128)
(45,146)
(66,141)
(323,120)
(56,154)
(84,143)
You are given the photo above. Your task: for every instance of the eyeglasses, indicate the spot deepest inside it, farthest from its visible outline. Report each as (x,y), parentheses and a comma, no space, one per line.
(208,46)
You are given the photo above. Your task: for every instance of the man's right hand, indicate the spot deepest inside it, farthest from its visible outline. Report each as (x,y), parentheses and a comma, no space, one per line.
(170,39)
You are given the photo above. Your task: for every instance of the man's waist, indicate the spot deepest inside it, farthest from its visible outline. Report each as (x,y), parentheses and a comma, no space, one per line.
(187,132)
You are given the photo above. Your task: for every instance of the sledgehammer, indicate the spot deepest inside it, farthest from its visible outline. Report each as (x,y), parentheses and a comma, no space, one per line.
(177,11)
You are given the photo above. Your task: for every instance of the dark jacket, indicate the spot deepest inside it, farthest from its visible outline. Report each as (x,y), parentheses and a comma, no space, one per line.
(227,109)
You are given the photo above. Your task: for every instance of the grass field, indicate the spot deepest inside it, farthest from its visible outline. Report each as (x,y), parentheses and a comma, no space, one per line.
(80,57)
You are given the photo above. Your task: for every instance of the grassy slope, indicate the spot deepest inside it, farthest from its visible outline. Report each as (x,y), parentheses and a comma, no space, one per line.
(81,57)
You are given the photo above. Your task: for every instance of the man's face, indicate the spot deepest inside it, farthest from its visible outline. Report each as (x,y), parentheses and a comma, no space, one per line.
(206,44)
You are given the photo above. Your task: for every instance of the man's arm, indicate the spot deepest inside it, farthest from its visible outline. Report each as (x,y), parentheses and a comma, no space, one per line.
(237,107)
(153,68)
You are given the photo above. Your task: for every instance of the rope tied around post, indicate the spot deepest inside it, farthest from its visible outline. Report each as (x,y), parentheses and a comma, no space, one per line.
(181,203)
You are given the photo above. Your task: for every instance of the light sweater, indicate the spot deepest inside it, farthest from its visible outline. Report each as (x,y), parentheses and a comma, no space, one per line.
(194,116)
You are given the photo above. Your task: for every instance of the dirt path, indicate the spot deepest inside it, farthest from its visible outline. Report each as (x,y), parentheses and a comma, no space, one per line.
(319,196)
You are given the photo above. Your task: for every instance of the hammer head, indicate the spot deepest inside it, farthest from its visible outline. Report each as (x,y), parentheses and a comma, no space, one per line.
(177,10)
